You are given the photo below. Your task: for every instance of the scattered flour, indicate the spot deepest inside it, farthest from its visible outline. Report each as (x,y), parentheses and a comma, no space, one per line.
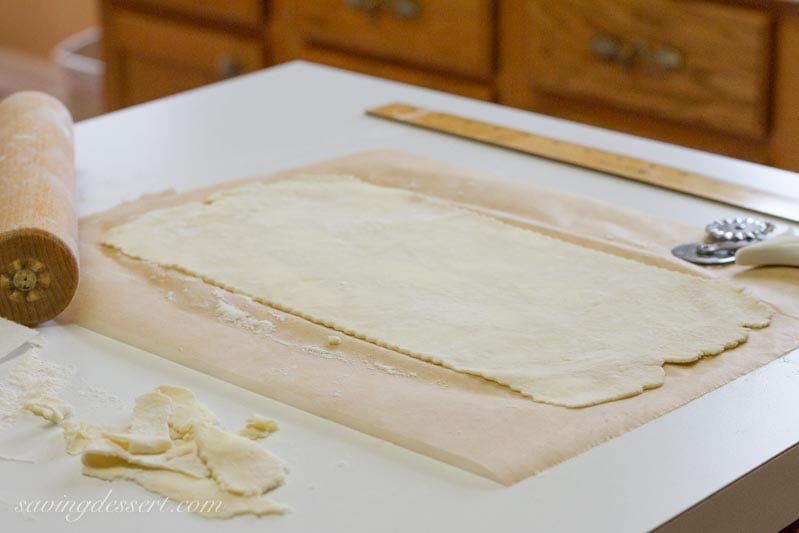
(31,377)
(230,314)
(322,352)
(388,369)
(97,395)
(277,315)
(220,296)
(170,296)
(235,316)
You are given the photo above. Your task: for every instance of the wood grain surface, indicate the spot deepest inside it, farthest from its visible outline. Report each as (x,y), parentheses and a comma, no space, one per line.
(38,225)
(423,78)
(149,57)
(455,36)
(721,83)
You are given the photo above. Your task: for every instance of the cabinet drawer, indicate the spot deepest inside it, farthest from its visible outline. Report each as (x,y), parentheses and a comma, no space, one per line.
(422,78)
(693,62)
(453,36)
(243,12)
(148,57)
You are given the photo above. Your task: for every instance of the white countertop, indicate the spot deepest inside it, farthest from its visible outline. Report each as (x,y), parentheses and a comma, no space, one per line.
(343,480)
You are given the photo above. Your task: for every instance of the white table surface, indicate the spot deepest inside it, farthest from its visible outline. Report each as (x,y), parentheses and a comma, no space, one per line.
(343,480)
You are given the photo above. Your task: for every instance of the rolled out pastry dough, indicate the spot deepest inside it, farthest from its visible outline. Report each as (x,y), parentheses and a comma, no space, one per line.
(555,321)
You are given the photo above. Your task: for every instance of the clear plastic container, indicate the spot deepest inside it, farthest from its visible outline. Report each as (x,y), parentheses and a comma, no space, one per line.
(80,58)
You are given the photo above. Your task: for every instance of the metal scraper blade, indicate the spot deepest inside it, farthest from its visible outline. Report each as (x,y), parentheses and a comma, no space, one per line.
(12,336)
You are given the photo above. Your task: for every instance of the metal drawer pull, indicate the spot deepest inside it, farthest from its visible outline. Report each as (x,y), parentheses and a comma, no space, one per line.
(229,67)
(369,6)
(406,8)
(627,53)
(605,47)
(402,8)
(668,58)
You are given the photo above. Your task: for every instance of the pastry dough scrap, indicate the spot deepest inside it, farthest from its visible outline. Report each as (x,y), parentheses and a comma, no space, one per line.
(236,463)
(173,447)
(555,321)
(78,435)
(52,409)
(183,458)
(182,488)
(257,427)
(186,410)
(148,431)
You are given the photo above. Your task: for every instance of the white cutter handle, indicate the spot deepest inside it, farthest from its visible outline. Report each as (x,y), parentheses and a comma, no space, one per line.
(781,250)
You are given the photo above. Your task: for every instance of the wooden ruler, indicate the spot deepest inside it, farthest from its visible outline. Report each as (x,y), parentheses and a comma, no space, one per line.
(783,205)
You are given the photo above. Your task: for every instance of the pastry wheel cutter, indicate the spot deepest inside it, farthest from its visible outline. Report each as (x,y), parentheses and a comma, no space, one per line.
(743,241)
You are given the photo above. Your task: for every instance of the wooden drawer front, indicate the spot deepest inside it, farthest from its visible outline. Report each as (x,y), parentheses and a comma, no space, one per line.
(422,78)
(149,58)
(243,12)
(694,62)
(454,36)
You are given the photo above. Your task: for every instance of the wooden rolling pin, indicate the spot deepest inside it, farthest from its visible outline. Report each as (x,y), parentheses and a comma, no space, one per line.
(38,223)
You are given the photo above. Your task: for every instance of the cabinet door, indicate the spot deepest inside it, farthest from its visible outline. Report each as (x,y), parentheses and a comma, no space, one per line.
(150,57)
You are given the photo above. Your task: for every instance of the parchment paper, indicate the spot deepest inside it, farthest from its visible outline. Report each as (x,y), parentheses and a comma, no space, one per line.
(460,419)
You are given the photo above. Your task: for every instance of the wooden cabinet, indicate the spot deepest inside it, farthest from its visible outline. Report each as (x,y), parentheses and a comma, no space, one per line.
(246,13)
(148,57)
(717,75)
(451,36)
(703,65)
(447,45)
(391,71)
